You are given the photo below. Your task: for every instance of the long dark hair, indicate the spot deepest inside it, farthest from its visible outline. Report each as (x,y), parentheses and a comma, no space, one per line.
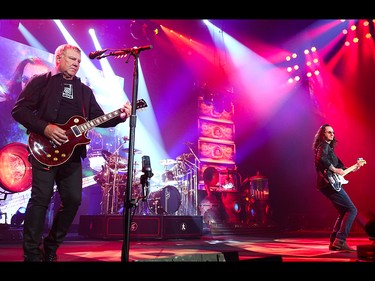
(15,84)
(319,137)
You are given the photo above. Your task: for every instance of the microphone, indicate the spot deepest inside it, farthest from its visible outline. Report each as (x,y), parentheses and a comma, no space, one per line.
(126,51)
(147,174)
(146,166)
(96,54)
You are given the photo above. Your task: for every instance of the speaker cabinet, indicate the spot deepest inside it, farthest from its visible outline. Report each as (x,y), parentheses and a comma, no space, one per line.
(182,226)
(141,227)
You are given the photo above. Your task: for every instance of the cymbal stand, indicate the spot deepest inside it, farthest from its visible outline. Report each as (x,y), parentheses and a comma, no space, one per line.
(192,192)
(180,172)
(193,181)
(115,190)
(118,149)
(115,202)
(107,191)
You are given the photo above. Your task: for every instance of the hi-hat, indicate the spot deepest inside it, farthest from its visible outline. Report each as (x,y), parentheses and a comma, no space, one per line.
(136,151)
(166,162)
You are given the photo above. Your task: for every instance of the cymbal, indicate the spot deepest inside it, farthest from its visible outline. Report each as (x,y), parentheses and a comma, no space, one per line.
(106,155)
(114,160)
(166,162)
(136,151)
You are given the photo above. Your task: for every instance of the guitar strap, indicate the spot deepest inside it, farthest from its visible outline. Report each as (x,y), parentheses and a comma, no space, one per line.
(80,98)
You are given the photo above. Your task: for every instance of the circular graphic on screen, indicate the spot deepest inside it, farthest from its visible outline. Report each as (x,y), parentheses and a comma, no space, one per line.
(15,169)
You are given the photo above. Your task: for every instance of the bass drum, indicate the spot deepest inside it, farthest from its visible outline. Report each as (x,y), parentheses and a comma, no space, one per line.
(164,201)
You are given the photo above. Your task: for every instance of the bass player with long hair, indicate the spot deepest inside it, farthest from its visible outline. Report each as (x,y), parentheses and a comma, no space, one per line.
(330,179)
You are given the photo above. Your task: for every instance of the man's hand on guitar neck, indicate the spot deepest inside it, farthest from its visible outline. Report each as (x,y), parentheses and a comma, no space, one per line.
(357,167)
(56,134)
(126,110)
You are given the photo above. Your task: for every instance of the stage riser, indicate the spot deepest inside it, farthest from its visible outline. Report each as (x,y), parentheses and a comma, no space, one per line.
(141,227)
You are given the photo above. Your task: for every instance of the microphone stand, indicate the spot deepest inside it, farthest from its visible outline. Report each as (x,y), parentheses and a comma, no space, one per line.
(128,193)
(128,202)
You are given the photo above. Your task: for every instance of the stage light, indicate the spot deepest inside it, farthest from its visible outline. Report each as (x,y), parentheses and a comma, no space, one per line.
(208,97)
(142,29)
(18,218)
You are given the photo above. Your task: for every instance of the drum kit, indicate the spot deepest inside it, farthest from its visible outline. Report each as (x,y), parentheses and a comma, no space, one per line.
(113,179)
(171,192)
(176,189)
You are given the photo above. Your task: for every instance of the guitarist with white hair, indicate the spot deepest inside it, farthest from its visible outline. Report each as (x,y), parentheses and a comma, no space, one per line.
(56,151)
(330,178)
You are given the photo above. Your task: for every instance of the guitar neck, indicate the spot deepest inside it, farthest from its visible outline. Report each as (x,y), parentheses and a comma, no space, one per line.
(350,169)
(104,118)
(359,163)
(99,120)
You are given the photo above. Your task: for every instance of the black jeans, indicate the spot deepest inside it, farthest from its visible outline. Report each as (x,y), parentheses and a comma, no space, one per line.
(346,209)
(68,180)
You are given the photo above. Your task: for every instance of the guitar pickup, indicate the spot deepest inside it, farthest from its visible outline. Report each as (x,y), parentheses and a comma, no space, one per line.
(76,131)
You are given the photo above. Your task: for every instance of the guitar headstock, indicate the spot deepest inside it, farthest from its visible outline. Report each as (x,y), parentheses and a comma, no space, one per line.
(141,104)
(361,162)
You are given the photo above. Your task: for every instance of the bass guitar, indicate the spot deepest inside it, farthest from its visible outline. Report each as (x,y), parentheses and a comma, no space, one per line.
(337,180)
(50,154)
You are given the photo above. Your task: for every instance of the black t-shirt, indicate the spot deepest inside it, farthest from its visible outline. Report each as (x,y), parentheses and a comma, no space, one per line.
(69,102)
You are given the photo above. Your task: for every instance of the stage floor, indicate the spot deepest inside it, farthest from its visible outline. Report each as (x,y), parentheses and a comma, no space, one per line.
(267,248)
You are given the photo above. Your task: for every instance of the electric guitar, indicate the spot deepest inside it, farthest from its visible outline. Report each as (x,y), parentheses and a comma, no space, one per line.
(50,154)
(337,180)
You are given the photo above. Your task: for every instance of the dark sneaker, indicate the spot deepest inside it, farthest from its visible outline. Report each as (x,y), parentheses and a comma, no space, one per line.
(50,258)
(332,248)
(32,258)
(340,245)
(49,255)
(346,248)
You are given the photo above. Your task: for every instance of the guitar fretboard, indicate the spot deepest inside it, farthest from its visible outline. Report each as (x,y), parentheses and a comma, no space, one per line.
(97,121)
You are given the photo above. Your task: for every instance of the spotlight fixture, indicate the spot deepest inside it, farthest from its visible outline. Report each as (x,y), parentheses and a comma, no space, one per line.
(142,29)
(208,97)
